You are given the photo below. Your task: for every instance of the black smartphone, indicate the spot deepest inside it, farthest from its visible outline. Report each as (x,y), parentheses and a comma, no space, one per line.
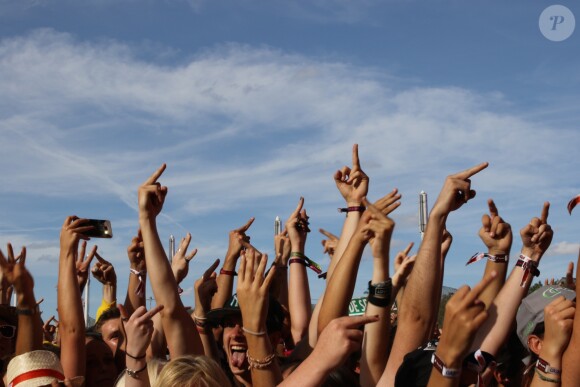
(101,228)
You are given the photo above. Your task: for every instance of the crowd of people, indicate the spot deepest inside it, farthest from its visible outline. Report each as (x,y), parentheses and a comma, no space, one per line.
(264,331)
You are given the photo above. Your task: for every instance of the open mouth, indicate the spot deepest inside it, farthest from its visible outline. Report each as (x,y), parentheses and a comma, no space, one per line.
(238,355)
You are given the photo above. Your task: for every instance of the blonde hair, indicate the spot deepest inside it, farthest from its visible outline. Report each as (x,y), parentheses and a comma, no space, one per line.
(199,371)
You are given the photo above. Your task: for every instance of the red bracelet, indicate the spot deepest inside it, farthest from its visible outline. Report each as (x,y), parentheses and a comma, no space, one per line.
(228,272)
(297,260)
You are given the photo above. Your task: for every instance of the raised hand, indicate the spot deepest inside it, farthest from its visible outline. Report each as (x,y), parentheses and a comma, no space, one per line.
(152,195)
(329,244)
(138,329)
(253,289)
(136,253)
(15,274)
(49,330)
(104,271)
(384,206)
(283,248)
(353,184)
(83,263)
(379,228)
(570,284)
(180,261)
(456,191)
(403,266)
(341,337)
(558,321)
(464,315)
(72,232)
(205,287)
(236,239)
(297,227)
(5,286)
(537,235)
(495,233)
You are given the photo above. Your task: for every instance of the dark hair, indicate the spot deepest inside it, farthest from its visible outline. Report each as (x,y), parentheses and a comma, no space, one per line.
(109,314)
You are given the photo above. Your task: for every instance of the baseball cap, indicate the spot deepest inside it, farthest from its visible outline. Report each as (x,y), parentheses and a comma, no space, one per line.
(531,310)
(274,320)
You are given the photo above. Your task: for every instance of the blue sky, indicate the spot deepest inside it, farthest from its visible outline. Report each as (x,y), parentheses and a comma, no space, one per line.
(253,104)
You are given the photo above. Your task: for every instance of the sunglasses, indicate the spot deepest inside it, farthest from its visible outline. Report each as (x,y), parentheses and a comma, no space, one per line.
(7,331)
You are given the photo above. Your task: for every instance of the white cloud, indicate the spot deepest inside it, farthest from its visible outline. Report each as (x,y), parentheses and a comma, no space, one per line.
(564,248)
(245,131)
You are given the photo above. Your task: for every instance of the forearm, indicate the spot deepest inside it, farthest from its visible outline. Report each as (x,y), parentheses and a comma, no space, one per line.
(282,278)
(71,322)
(29,336)
(110,293)
(377,335)
(132,299)
(225,283)
(259,349)
(502,313)
(142,379)
(182,338)
(348,228)
(299,302)
(308,374)
(493,289)
(417,316)
(341,285)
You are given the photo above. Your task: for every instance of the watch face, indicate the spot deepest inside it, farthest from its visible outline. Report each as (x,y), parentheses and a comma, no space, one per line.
(380,291)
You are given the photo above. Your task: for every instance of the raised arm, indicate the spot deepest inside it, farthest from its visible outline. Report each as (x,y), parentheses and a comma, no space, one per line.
(299,291)
(279,288)
(353,185)
(496,234)
(536,238)
(104,272)
(571,357)
(182,337)
(137,275)
(253,297)
(341,285)
(225,279)
(464,314)
(71,326)
(379,301)
(418,314)
(181,259)
(205,287)
(29,325)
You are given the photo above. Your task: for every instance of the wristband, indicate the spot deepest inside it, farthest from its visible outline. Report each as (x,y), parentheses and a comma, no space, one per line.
(529,267)
(135,357)
(140,291)
(306,261)
(228,272)
(545,367)
(500,258)
(380,294)
(352,209)
(260,364)
(253,333)
(547,379)
(135,374)
(440,366)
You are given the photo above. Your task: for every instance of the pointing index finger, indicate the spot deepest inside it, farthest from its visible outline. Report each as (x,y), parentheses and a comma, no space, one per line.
(408,248)
(472,171)
(327,234)
(156,175)
(545,212)
(480,287)
(246,226)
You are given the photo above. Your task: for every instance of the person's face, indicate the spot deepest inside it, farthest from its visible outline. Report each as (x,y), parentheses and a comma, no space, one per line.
(112,334)
(7,339)
(101,370)
(234,344)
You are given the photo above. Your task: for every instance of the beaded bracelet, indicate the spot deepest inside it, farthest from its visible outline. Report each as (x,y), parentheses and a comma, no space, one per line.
(260,364)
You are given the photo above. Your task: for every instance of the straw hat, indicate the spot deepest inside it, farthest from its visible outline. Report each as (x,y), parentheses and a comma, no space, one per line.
(35,368)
